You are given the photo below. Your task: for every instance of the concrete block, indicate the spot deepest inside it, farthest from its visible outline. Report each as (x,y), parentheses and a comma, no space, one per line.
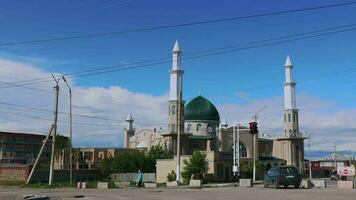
(195,183)
(84,185)
(122,184)
(172,184)
(79,185)
(318,183)
(306,183)
(103,185)
(150,185)
(246,182)
(345,184)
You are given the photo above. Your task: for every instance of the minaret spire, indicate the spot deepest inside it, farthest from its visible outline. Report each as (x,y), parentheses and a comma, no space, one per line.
(290,108)
(176,89)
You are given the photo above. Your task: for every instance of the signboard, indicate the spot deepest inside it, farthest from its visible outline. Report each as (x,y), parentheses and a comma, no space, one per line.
(346,171)
(234,169)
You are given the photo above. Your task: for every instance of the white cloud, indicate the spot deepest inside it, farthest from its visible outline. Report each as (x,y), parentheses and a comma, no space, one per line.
(321,117)
(112,103)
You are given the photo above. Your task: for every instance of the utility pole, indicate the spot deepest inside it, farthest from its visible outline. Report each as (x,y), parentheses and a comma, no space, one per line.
(255,137)
(178,136)
(39,154)
(310,167)
(55,130)
(335,161)
(70,132)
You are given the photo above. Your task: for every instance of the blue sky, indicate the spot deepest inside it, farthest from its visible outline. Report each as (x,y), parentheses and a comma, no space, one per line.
(242,78)
(22,20)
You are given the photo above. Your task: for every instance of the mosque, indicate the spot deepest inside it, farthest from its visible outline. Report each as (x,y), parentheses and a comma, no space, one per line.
(200,128)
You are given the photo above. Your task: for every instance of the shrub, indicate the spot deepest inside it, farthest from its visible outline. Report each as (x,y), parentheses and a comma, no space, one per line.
(171,176)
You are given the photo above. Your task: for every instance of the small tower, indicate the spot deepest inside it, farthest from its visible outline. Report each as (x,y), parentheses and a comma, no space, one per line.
(291,127)
(129,131)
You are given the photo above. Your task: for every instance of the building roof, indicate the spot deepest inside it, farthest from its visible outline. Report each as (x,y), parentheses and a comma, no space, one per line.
(201,109)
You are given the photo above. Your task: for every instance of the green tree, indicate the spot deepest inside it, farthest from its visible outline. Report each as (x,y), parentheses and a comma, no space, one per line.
(197,165)
(60,144)
(158,152)
(134,160)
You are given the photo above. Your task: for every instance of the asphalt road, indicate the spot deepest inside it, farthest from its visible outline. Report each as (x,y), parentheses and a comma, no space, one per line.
(226,193)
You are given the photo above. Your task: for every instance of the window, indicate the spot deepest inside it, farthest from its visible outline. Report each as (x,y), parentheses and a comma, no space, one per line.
(210,129)
(173,110)
(285,118)
(288,117)
(294,117)
(199,127)
(243,151)
(189,128)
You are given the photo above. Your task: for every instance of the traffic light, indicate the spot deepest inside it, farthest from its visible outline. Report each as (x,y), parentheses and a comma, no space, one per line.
(253,128)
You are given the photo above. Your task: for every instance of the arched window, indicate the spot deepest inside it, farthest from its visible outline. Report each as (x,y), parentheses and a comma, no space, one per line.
(199,127)
(243,151)
(189,128)
(210,129)
(173,110)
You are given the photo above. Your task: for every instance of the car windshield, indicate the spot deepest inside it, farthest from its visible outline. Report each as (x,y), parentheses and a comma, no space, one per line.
(287,170)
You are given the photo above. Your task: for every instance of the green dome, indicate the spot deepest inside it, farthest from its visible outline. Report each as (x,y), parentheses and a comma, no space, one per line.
(199,109)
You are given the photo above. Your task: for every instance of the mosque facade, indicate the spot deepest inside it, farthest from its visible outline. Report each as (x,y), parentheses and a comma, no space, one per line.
(200,128)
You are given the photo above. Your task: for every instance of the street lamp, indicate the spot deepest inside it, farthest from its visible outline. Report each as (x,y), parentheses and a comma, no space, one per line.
(70,131)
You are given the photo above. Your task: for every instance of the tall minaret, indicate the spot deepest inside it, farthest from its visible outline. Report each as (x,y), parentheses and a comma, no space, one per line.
(176,91)
(129,131)
(291,127)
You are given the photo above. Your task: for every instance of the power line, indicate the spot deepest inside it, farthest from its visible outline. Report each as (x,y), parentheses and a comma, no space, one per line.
(215,51)
(51,111)
(45,119)
(179,25)
(21,107)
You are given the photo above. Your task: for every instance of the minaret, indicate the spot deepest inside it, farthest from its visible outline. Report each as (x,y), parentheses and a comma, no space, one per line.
(129,131)
(290,147)
(291,128)
(176,91)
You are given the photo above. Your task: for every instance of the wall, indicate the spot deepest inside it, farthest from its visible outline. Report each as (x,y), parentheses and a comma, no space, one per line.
(14,172)
(63,175)
(131,177)
(165,166)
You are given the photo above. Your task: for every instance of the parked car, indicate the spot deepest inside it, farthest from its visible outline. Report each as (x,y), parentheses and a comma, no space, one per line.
(282,175)
(334,176)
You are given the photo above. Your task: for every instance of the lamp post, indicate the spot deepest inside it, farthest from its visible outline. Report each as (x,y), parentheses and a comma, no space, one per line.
(70,131)
(255,138)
